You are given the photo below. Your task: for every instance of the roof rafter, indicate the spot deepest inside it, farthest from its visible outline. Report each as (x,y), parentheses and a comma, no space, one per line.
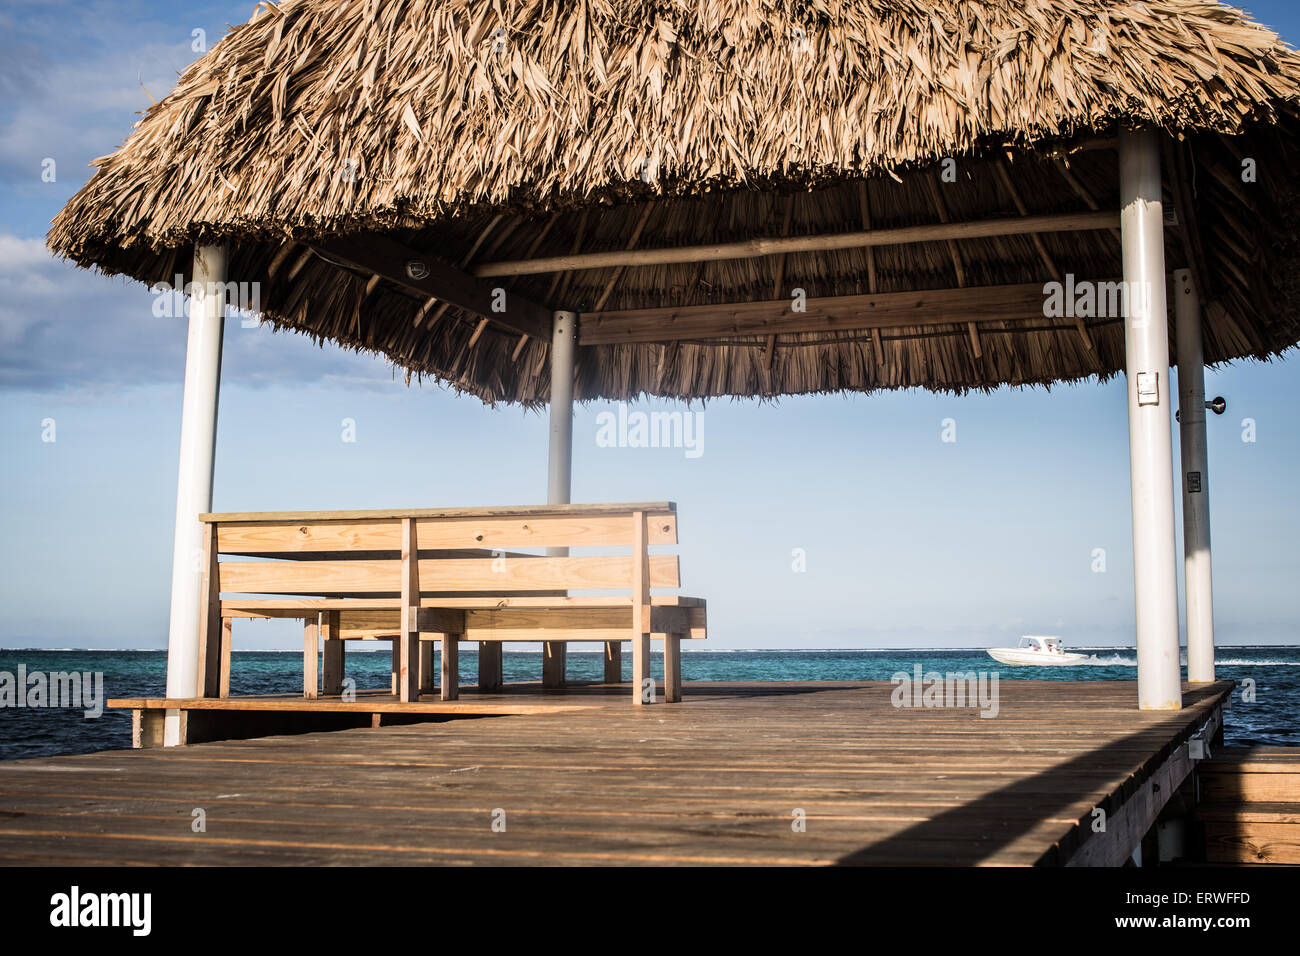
(972,304)
(757,248)
(389,259)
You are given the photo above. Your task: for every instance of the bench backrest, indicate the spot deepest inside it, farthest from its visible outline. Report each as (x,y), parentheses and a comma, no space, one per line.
(460,551)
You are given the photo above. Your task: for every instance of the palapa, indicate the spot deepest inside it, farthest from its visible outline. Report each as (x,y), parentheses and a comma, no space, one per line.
(479,133)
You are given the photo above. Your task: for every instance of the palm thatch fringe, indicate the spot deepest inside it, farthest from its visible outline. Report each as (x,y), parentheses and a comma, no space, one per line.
(476,131)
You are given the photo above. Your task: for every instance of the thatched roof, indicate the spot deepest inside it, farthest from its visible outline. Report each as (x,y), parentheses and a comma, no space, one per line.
(475,132)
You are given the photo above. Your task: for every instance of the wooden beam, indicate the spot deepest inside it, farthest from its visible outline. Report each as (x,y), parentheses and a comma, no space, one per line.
(672,668)
(489,666)
(613,662)
(640,610)
(384,257)
(424,310)
(655,508)
(397,662)
(310,656)
(532,247)
(1084,144)
(227,637)
(1229,183)
(941,210)
(408,644)
(835,313)
(554,658)
(428,680)
(487,231)
(780,262)
(559,286)
(769,355)
(301,261)
(482,324)
(864,210)
(1073,181)
(1064,169)
(278,259)
(1004,176)
(210,623)
(450,677)
(755,248)
(631,244)
(334,654)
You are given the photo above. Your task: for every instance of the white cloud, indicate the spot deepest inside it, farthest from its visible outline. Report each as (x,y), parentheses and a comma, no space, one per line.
(72,82)
(30,284)
(75,108)
(62,327)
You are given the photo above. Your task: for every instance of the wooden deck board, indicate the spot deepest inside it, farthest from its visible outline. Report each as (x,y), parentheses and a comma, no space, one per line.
(712,780)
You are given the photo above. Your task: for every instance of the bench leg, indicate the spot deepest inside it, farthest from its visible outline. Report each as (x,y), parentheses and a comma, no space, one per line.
(209,636)
(672,668)
(408,626)
(613,662)
(333,655)
(490,675)
(450,666)
(223,678)
(397,662)
(426,667)
(553,664)
(310,655)
(408,666)
(641,691)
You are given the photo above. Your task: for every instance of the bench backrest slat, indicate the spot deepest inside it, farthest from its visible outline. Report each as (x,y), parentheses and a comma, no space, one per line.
(526,511)
(528,573)
(257,538)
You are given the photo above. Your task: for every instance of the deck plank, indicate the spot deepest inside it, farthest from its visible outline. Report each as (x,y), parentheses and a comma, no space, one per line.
(585,779)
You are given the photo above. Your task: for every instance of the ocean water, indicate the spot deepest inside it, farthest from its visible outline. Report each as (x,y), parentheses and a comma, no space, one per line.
(1271,718)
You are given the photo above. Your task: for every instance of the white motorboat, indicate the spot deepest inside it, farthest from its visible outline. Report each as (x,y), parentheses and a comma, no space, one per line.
(1036,651)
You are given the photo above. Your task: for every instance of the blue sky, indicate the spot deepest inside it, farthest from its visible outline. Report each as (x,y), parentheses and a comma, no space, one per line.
(909,541)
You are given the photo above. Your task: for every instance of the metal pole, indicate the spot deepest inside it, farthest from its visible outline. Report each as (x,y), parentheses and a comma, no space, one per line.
(194,480)
(564,337)
(1196,485)
(1146,341)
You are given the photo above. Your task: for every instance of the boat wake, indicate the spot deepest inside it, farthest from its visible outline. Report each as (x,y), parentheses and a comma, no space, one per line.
(1115,660)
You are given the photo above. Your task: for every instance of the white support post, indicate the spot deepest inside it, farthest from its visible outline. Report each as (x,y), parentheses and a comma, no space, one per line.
(1196,483)
(564,338)
(194,481)
(1146,341)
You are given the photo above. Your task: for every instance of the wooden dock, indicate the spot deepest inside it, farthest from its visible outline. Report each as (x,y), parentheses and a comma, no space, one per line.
(1250,805)
(737,773)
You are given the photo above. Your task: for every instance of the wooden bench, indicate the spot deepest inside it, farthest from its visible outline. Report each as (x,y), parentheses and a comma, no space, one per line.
(416,577)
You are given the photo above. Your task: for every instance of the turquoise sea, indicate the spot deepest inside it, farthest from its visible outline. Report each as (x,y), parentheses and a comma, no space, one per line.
(1271,718)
